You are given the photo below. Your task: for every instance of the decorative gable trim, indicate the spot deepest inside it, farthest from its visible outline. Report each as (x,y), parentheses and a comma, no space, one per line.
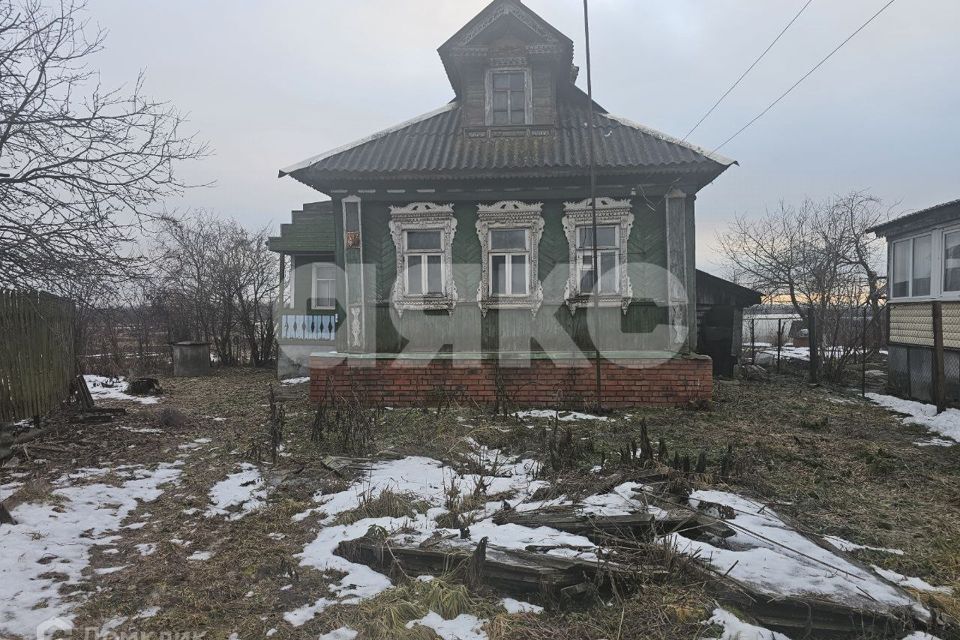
(506,9)
(609,211)
(416,216)
(515,215)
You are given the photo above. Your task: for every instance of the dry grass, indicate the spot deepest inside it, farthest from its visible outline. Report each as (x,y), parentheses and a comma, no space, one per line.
(848,469)
(386,504)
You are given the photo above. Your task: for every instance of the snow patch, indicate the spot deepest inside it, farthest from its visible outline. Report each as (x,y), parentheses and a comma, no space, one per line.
(343,633)
(736,629)
(911,583)
(237,495)
(519,606)
(946,424)
(296,380)
(562,416)
(104,388)
(463,627)
(46,541)
(846,545)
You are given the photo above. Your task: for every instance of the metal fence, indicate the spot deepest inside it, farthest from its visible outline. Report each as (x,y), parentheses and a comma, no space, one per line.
(37,362)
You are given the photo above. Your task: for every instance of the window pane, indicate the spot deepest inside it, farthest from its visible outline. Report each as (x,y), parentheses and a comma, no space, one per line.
(901,269)
(608,272)
(586,272)
(516,81)
(498,275)
(508,239)
(921,266)
(606,236)
(414,277)
(500,101)
(501,81)
(500,117)
(518,274)
(517,115)
(424,240)
(951,261)
(326,296)
(434,274)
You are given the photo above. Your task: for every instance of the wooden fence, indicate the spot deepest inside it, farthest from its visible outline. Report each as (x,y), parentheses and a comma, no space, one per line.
(36,353)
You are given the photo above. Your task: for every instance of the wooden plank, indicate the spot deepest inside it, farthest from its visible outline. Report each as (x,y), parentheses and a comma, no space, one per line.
(939,383)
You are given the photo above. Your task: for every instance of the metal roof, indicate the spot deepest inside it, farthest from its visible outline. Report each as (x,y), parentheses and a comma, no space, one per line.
(437,145)
(310,231)
(937,214)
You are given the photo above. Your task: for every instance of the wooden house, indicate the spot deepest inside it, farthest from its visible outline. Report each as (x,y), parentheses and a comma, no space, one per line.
(456,251)
(923,303)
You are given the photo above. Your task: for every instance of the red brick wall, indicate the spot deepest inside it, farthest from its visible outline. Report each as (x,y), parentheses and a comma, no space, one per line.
(625,382)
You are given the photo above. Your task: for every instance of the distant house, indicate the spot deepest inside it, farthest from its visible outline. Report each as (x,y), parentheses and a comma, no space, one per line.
(459,245)
(923,285)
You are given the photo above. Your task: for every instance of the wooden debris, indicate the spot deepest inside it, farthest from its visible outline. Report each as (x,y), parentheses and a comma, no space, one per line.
(641,526)
(143,387)
(507,570)
(82,392)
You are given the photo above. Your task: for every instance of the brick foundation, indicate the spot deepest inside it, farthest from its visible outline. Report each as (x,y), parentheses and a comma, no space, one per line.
(626,382)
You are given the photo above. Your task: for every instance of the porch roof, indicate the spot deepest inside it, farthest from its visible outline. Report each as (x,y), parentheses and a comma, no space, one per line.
(311,230)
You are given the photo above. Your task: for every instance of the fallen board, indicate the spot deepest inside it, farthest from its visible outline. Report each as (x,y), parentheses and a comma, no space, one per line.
(641,525)
(511,571)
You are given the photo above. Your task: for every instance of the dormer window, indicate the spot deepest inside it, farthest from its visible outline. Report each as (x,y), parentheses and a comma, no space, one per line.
(508,97)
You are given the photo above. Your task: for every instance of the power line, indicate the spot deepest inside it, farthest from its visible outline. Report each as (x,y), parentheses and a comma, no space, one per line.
(806,75)
(749,69)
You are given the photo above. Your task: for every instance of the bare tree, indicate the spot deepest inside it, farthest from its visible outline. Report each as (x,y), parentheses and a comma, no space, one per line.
(819,258)
(84,164)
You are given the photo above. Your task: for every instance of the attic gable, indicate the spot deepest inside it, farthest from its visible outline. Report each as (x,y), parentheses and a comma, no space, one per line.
(504,28)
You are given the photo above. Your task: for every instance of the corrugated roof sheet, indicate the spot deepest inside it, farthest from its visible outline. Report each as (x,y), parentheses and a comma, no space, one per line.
(311,231)
(933,215)
(438,143)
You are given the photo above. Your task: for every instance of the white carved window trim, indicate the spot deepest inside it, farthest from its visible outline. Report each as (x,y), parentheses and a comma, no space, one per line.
(609,212)
(510,214)
(527,94)
(423,216)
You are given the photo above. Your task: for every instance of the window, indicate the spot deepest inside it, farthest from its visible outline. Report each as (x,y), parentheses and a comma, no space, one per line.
(508,97)
(509,262)
(912,267)
(951,261)
(424,256)
(324,286)
(423,233)
(608,260)
(509,232)
(612,285)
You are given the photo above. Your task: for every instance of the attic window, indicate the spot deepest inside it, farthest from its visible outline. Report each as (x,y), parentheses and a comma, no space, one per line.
(507,97)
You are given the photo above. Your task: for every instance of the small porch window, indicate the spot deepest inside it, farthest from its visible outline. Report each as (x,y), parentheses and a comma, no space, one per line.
(608,260)
(912,267)
(324,295)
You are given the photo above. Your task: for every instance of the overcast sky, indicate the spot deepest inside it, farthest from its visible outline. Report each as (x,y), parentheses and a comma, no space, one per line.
(271,83)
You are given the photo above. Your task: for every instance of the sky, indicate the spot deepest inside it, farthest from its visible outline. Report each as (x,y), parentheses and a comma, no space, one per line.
(268,84)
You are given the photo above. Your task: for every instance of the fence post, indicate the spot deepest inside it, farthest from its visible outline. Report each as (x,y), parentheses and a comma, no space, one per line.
(939,387)
(813,336)
(753,342)
(863,355)
(779,341)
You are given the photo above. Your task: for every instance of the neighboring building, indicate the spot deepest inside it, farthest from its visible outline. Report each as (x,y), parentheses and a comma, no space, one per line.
(923,267)
(720,305)
(460,242)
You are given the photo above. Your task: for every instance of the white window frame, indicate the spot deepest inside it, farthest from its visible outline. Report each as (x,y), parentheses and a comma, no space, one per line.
(424,255)
(508,256)
(314,296)
(936,258)
(423,216)
(583,252)
(941,247)
(527,94)
(610,211)
(510,214)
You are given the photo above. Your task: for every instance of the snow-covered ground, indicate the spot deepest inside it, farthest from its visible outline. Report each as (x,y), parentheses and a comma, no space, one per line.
(946,424)
(105,388)
(49,539)
(563,416)
(292,381)
(238,494)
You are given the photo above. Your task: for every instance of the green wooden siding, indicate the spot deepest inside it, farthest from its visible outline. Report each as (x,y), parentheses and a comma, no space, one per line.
(553,328)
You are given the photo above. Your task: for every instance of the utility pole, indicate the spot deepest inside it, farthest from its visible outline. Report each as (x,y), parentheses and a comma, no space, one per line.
(593,209)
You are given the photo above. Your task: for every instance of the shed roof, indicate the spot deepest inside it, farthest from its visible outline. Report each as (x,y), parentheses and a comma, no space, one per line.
(712,289)
(437,145)
(310,231)
(929,217)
